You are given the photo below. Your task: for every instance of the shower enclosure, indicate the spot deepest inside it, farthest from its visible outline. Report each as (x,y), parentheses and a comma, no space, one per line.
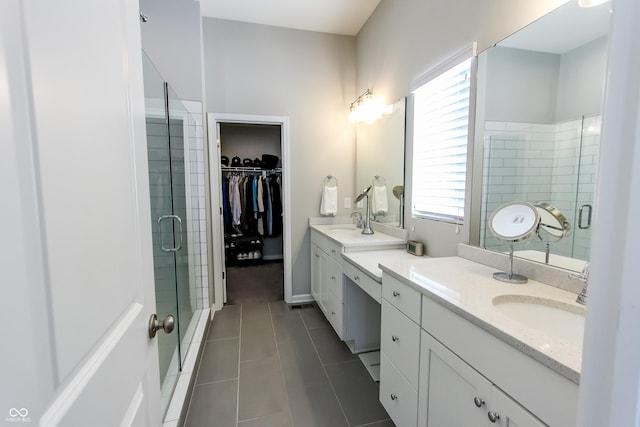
(555,163)
(176,179)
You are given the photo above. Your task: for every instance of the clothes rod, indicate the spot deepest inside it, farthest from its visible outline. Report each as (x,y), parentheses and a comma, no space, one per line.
(249,169)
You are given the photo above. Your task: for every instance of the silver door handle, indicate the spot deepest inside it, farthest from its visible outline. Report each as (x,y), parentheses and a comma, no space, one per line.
(175,248)
(166,325)
(580,212)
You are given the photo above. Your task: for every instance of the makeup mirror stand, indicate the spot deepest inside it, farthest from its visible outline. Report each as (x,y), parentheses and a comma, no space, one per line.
(510,277)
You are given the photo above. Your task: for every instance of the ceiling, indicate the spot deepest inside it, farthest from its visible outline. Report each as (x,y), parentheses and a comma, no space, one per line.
(563,30)
(327,16)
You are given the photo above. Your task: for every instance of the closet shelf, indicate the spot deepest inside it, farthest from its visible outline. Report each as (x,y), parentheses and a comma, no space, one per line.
(249,169)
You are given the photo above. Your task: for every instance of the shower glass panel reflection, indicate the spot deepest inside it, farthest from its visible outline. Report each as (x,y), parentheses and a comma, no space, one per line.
(175,293)
(555,163)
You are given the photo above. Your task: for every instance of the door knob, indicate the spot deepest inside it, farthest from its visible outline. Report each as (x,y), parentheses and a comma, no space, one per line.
(166,325)
(478,401)
(493,416)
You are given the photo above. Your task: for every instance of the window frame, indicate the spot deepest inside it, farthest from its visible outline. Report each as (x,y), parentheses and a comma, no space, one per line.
(467,53)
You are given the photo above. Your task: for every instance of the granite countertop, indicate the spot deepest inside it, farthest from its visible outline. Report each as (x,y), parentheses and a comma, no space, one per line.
(351,238)
(468,289)
(368,261)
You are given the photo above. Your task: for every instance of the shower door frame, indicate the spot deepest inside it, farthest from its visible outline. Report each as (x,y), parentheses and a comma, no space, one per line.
(215,176)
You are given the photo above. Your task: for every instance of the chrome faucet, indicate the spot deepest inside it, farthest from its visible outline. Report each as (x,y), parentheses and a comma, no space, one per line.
(359,215)
(584,277)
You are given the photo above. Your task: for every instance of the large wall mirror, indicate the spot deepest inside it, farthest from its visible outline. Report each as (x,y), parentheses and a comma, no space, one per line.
(380,162)
(540,93)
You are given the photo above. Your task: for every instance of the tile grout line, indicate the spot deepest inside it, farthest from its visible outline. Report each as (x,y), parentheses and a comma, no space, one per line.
(325,370)
(239,350)
(284,382)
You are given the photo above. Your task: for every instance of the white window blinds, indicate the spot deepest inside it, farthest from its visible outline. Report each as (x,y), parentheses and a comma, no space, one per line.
(440,133)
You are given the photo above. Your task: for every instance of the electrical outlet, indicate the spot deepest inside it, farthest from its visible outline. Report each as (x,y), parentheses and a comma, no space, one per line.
(347,202)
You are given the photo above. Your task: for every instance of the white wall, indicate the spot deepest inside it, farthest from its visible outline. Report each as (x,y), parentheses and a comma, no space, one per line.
(172,40)
(522,85)
(403,39)
(581,80)
(307,76)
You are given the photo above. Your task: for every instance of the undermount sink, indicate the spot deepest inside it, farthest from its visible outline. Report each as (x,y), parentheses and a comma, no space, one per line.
(556,318)
(343,227)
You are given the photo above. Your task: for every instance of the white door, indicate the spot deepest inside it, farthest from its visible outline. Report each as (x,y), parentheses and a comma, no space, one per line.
(77,278)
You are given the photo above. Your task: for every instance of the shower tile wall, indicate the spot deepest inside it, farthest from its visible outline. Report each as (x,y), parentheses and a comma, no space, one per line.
(195,163)
(540,162)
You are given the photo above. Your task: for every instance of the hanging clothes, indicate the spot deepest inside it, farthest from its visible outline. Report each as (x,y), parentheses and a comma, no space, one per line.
(276,204)
(252,204)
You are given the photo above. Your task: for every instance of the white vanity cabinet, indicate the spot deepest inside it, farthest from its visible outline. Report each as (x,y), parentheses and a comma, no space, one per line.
(440,368)
(400,351)
(452,393)
(522,391)
(326,279)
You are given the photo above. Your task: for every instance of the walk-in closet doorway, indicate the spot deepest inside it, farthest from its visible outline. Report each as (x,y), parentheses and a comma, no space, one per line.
(252,249)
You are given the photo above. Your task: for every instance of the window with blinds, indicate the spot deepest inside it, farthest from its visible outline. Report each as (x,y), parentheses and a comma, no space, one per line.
(440,134)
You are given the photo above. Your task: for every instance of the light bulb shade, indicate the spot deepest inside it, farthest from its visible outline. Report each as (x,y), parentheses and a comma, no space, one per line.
(590,3)
(369,110)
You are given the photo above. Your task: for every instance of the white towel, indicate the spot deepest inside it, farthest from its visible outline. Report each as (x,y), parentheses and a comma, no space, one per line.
(329,202)
(380,203)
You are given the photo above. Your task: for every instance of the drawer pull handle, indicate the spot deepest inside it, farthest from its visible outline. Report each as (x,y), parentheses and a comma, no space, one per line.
(333,313)
(396,293)
(317,256)
(393,396)
(478,401)
(493,416)
(395,338)
(356,278)
(333,277)
(333,251)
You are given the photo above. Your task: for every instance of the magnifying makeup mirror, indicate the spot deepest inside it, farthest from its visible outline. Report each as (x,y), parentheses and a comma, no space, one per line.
(514,222)
(554,226)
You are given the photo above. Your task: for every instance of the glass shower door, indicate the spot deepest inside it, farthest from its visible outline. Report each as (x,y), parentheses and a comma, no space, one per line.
(180,211)
(175,293)
(586,187)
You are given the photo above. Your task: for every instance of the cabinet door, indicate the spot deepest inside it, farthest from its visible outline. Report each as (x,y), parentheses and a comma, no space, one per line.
(505,412)
(316,267)
(452,394)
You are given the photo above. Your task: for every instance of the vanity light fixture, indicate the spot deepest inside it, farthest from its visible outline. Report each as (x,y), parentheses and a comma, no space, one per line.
(367,108)
(591,3)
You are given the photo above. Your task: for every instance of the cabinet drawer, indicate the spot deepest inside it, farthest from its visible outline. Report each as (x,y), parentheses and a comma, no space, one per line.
(334,277)
(366,283)
(400,342)
(333,312)
(404,298)
(397,396)
(328,246)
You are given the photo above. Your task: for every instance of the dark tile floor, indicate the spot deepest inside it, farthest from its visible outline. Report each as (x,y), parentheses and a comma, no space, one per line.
(265,365)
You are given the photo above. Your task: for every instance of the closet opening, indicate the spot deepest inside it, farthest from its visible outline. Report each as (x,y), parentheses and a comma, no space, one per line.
(248,171)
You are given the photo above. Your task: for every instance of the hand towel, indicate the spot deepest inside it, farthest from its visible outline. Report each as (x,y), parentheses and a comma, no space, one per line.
(329,202)
(380,203)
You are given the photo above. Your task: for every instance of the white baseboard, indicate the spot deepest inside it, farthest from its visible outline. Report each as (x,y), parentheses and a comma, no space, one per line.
(297,299)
